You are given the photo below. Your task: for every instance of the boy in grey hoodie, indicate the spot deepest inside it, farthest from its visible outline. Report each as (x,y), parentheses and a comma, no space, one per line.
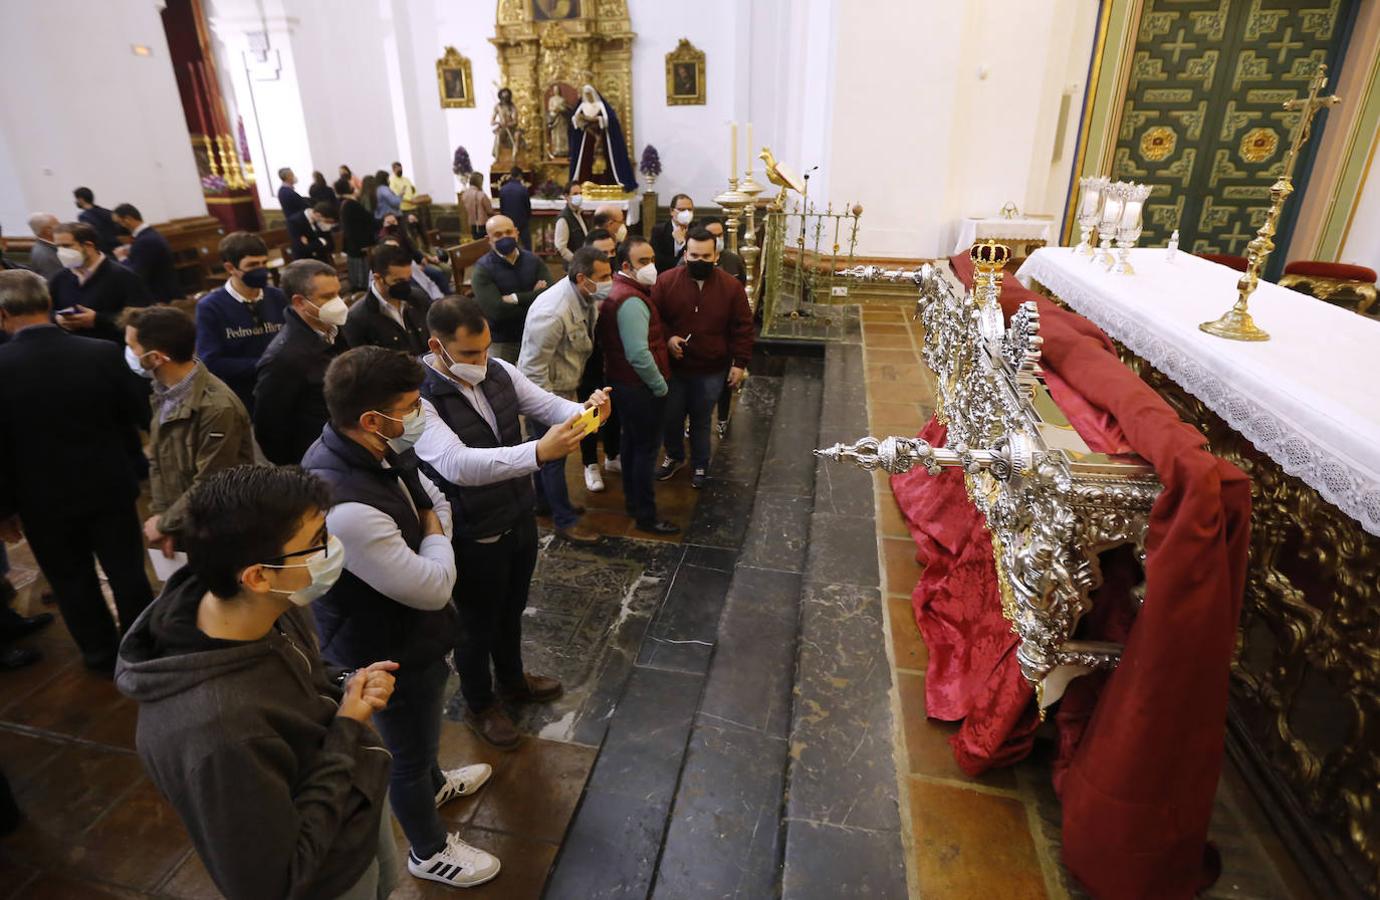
(268,758)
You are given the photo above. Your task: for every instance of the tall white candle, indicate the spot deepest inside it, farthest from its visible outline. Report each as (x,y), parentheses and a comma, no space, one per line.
(1111,208)
(749,148)
(1130,216)
(1092,196)
(733,127)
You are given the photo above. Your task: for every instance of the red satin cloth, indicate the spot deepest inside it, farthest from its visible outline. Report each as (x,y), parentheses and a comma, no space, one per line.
(1140,750)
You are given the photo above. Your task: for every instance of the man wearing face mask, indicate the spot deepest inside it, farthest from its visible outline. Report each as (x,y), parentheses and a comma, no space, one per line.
(593,378)
(236,322)
(479,207)
(69,419)
(393,314)
(556,346)
(505,282)
(668,238)
(729,261)
(266,754)
(198,425)
(473,448)
(92,289)
(610,218)
(570,225)
(310,232)
(710,337)
(638,366)
(393,601)
(289,406)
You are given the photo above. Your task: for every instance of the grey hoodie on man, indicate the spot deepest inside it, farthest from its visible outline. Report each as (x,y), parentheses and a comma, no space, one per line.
(282,797)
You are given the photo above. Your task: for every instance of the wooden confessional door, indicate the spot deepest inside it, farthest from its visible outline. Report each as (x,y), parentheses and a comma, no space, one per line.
(1202,121)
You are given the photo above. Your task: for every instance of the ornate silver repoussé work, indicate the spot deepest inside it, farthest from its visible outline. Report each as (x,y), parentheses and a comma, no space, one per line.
(1051,504)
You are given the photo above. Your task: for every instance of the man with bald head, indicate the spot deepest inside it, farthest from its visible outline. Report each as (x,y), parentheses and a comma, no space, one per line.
(610,218)
(43,258)
(505,281)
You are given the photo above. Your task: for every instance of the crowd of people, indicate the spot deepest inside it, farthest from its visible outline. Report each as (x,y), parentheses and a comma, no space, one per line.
(350,489)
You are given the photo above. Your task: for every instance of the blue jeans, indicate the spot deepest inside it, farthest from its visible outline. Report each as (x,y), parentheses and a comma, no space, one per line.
(552,491)
(640,417)
(411,729)
(693,395)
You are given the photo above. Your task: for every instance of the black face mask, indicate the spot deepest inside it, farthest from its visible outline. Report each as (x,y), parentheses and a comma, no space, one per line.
(400,291)
(699,269)
(255,278)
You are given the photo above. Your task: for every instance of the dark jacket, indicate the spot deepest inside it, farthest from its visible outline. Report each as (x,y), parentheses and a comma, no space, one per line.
(356,228)
(289,406)
(306,242)
(71,410)
(151,258)
(663,243)
(369,326)
(617,369)
(489,509)
(356,624)
(291,201)
(43,258)
(733,264)
(231,336)
(515,202)
(493,277)
(109,290)
(321,193)
(107,232)
(716,317)
(206,432)
(281,796)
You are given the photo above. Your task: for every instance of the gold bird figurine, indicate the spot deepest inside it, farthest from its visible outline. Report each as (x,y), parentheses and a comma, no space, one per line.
(780,175)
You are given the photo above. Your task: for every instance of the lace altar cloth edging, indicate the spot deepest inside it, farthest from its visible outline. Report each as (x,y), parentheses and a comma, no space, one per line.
(1305,398)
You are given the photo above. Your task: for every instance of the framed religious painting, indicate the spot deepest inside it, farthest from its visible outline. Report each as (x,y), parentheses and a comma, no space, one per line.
(454,81)
(685,75)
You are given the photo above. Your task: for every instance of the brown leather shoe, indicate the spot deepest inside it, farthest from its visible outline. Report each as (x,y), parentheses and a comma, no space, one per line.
(534,689)
(494,727)
(578,534)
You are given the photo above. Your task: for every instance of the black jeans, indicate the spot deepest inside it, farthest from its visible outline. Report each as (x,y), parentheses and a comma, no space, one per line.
(640,415)
(490,596)
(411,728)
(590,381)
(66,550)
(695,396)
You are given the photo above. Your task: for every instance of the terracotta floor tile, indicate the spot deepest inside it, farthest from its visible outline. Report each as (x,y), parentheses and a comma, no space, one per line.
(525,864)
(66,796)
(882,311)
(68,704)
(900,418)
(871,329)
(143,819)
(927,741)
(891,374)
(536,791)
(902,571)
(890,522)
(906,644)
(883,341)
(50,886)
(970,844)
(882,356)
(191,882)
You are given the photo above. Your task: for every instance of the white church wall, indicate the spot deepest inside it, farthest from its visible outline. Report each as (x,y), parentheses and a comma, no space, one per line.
(1362,245)
(131,142)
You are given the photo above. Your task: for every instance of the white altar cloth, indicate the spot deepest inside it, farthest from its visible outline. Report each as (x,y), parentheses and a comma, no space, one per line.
(1309,398)
(1021,228)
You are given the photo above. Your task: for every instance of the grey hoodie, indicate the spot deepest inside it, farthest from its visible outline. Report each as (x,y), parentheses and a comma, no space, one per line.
(281,796)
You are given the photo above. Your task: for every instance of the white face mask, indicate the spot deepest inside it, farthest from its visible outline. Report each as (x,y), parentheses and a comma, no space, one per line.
(324,566)
(135,363)
(332,312)
(684,216)
(70,257)
(719,244)
(646,275)
(414,423)
(576,200)
(622,233)
(466,372)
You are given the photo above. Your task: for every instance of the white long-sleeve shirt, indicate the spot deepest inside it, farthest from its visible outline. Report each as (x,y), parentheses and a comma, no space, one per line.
(466,466)
(377,554)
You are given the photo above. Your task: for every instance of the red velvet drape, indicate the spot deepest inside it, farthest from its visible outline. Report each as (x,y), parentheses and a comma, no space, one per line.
(1141,749)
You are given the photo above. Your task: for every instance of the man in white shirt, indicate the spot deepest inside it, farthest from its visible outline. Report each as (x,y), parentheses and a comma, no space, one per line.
(473,447)
(393,598)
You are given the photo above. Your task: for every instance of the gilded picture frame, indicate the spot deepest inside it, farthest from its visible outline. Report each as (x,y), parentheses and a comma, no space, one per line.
(454,80)
(685,75)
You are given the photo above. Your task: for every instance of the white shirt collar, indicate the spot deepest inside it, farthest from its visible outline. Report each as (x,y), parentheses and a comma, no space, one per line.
(388,309)
(136,231)
(230,289)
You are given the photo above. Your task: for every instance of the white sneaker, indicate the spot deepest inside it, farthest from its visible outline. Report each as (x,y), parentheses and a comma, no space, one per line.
(462,782)
(614,465)
(458,864)
(593,480)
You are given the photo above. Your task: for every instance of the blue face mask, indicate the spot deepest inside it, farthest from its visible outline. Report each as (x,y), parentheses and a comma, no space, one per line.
(506,245)
(255,278)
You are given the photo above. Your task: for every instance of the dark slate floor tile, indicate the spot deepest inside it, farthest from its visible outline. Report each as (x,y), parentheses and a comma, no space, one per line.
(720,558)
(842,549)
(692,606)
(721,516)
(646,738)
(842,772)
(828,862)
(724,834)
(610,849)
(841,487)
(778,532)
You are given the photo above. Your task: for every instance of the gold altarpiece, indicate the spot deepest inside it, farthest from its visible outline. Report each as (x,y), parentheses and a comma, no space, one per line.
(566,43)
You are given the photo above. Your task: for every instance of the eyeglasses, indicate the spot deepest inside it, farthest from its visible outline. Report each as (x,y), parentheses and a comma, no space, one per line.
(323,547)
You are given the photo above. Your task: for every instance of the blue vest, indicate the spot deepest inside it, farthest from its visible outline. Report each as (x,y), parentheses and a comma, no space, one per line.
(490,509)
(356,624)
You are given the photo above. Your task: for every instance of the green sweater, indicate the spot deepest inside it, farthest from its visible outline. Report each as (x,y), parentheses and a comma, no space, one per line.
(634,320)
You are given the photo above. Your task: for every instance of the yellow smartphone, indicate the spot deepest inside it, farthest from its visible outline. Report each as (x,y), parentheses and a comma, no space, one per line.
(590,420)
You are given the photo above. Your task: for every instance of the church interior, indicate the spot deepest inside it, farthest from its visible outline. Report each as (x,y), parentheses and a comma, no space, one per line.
(1029,540)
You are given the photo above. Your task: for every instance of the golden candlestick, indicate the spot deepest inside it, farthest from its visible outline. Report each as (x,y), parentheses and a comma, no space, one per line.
(749,188)
(1236,324)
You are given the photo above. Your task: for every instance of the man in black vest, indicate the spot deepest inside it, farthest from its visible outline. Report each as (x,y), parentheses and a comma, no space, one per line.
(393,599)
(473,446)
